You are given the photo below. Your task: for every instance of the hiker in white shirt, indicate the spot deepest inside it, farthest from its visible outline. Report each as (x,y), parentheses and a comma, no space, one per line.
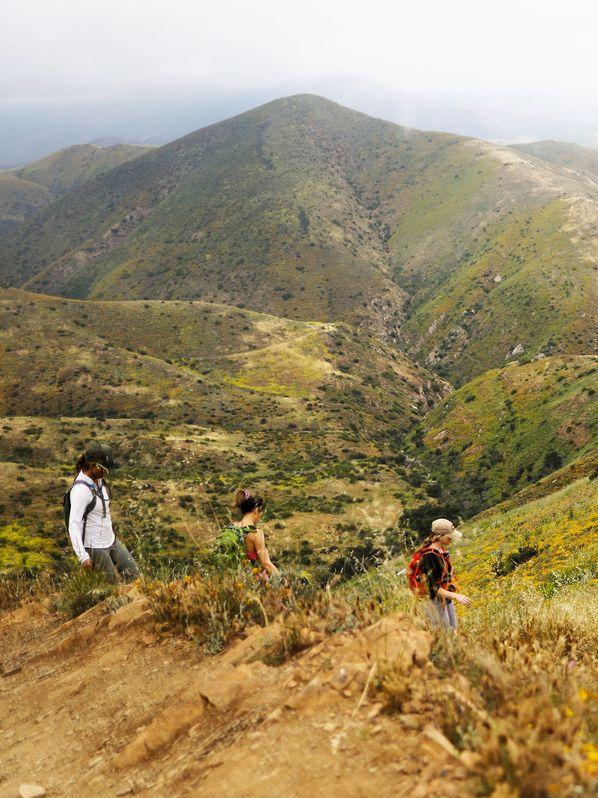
(89,518)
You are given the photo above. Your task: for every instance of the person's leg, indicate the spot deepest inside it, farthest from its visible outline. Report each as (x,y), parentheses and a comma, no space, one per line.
(102,563)
(437,614)
(451,615)
(123,560)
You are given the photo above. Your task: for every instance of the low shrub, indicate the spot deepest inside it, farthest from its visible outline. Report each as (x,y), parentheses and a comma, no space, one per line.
(210,608)
(80,591)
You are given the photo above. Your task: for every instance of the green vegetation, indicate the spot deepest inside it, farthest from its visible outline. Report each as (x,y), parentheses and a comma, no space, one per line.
(65,169)
(508,429)
(26,190)
(310,211)
(19,199)
(198,399)
(543,545)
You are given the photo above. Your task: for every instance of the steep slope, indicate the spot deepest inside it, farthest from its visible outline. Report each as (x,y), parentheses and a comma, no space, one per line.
(67,168)
(509,428)
(521,268)
(331,696)
(19,199)
(197,399)
(254,211)
(175,722)
(545,544)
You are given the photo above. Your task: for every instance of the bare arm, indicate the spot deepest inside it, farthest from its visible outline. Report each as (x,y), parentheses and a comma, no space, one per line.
(458,597)
(262,553)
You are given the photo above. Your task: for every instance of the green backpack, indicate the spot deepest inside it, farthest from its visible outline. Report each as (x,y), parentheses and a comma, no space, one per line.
(229,547)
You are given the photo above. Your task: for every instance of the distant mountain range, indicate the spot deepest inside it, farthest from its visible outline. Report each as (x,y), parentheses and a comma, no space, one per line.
(452,247)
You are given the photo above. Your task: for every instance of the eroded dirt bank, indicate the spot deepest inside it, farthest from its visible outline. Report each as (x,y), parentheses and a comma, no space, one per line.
(106,705)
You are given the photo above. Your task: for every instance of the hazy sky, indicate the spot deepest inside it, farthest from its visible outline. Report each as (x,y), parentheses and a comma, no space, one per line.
(72,70)
(74,47)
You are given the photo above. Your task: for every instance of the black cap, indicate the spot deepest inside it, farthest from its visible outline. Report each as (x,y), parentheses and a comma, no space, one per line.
(100,453)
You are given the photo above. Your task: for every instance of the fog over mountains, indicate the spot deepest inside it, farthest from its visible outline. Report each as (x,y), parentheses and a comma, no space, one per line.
(32,128)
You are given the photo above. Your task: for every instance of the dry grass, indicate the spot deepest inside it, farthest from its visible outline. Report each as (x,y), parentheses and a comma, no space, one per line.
(515,693)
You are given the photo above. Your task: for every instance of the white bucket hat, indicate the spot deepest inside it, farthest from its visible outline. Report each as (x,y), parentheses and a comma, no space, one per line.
(442,526)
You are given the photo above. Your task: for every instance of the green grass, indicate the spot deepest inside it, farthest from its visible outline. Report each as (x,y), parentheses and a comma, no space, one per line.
(67,168)
(562,529)
(472,322)
(509,428)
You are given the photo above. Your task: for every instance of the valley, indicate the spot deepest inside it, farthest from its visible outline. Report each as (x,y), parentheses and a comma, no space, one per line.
(371,325)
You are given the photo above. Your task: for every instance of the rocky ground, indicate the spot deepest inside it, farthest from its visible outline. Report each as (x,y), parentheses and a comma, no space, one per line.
(109,705)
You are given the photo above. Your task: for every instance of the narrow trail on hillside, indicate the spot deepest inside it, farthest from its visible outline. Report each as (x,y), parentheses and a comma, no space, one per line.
(107,705)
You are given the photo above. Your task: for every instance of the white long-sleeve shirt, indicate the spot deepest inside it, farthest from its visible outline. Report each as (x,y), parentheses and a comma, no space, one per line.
(98,530)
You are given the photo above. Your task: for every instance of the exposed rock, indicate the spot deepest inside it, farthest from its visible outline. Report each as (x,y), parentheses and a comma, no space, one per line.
(31,791)
(162,732)
(227,685)
(131,613)
(515,352)
(392,639)
(11,671)
(312,698)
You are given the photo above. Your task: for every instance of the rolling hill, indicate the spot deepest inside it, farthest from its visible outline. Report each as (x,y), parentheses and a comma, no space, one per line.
(198,398)
(25,190)
(67,168)
(460,250)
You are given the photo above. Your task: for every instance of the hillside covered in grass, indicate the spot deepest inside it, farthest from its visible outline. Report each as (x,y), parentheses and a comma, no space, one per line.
(19,199)
(67,168)
(508,429)
(460,250)
(25,190)
(197,399)
(544,545)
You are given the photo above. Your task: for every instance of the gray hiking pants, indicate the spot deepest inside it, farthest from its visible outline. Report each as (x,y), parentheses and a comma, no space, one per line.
(115,558)
(441,614)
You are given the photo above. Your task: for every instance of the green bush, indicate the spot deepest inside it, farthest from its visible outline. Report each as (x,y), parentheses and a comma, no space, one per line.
(80,591)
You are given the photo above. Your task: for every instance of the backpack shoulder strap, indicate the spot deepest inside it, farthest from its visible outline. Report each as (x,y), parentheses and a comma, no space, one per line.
(90,506)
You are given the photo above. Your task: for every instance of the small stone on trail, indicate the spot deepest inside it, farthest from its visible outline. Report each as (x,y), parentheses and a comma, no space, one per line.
(126,790)
(31,791)
(11,671)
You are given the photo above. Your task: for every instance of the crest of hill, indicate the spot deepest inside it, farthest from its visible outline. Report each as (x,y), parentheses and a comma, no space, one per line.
(581,160)
(67,168)
(304,209)
(509,428)
(26,190)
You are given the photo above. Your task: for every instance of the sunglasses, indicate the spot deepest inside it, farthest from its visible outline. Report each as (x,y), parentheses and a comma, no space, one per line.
(105,470)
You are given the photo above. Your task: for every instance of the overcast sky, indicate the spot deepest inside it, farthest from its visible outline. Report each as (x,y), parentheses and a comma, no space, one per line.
(77,49)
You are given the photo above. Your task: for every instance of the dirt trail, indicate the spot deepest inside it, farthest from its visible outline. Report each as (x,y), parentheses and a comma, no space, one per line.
(106,705)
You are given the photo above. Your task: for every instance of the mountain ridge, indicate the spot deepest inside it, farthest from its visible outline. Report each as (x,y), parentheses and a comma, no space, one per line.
(308,210)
